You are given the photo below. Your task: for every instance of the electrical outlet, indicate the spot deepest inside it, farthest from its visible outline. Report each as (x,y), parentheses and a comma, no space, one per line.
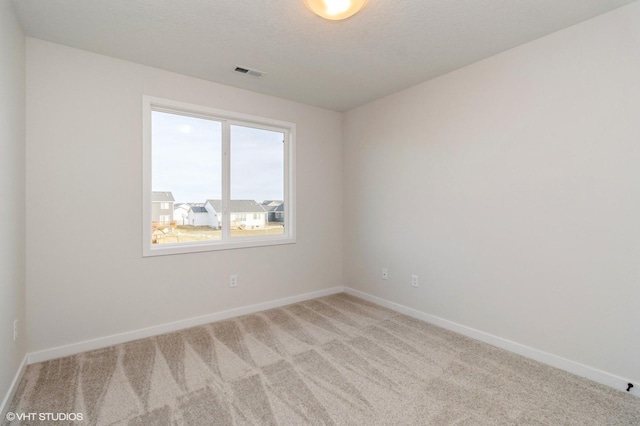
(233,282)
(414,281)
(385,274)
(15,330)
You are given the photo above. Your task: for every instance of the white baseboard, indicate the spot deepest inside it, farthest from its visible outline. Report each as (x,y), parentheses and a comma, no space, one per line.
(103,342)
(578,369)
(13,388)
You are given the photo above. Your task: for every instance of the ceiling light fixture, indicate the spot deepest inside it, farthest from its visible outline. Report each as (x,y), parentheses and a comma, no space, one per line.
(335,10)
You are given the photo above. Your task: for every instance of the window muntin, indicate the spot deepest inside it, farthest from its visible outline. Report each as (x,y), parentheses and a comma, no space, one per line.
(222,169)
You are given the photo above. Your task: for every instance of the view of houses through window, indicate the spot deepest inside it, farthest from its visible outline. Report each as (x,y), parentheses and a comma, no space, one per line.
(188,160)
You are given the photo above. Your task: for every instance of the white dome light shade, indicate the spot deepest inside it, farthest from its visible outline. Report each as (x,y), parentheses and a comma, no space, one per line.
(335,10)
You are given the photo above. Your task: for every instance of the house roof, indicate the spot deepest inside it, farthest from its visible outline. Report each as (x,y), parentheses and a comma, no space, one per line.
(161,196)
(272,205)
(187,206)
(198,209)
(239,206)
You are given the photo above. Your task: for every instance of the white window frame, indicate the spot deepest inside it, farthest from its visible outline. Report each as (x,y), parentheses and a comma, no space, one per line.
(227,118)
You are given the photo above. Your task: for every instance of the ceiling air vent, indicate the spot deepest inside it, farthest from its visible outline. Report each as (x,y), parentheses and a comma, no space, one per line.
(249,71)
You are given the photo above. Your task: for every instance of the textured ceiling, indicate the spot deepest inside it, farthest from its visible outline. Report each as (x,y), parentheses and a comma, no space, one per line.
(390,45)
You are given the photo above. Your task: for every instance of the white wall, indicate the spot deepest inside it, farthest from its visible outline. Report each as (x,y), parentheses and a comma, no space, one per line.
(524,170)
(12,185)
(86,277)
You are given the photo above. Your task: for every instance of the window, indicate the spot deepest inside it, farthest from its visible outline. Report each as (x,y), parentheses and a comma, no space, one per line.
(221,170)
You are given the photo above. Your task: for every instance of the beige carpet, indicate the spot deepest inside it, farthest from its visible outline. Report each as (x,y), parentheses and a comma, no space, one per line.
(335,360)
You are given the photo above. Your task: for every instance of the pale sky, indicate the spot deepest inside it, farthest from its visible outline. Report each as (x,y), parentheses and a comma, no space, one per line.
(186,160)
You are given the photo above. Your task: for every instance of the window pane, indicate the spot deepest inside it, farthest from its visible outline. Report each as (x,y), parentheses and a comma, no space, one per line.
(257,182)
(186,172)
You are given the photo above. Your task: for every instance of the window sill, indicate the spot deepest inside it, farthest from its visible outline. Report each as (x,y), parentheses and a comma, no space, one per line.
(198,247)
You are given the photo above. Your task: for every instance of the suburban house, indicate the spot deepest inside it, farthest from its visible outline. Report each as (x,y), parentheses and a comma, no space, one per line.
(181,213)
(274,209)
(162,207)
(198,216)
(244,214)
